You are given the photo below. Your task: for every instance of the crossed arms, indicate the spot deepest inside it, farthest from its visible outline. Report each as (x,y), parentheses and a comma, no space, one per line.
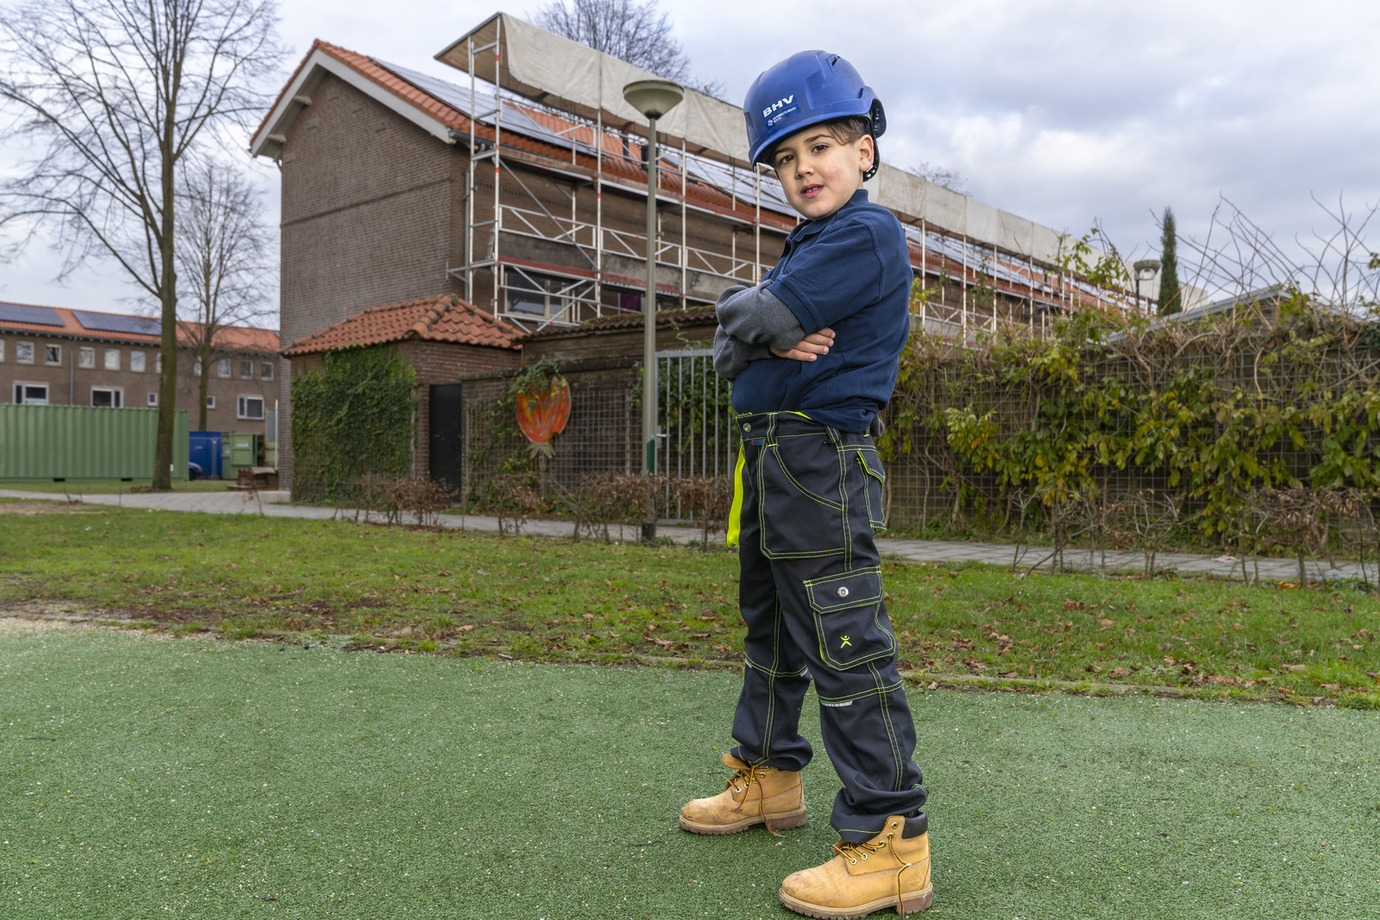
(755,324)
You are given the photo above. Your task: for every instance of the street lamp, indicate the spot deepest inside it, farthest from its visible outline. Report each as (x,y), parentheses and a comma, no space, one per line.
(653,98)
(1145,270)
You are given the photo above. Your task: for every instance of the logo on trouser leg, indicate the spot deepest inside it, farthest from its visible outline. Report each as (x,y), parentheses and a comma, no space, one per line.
(845,642)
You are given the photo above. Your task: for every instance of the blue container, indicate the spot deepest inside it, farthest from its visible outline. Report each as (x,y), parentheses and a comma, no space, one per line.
(205,450)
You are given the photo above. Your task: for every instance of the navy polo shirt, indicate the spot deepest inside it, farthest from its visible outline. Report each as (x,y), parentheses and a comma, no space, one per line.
(849,272)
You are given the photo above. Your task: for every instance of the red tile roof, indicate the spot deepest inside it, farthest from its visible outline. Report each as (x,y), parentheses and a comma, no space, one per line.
(443,318)
(229,338)
(620,162)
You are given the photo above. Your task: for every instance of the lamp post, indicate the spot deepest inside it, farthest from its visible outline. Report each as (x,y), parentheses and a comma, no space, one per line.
(653,98)
(1145,270)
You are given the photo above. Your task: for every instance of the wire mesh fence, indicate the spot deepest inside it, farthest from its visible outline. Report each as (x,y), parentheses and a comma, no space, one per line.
(1124,434)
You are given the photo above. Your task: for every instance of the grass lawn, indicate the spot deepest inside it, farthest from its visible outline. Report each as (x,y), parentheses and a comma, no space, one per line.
(202,778)
(466,594)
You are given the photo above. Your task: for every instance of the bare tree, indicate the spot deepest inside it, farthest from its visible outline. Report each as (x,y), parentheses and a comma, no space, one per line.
(112,95)
(634,32)
(951,179)
(1336,266)
(223,259)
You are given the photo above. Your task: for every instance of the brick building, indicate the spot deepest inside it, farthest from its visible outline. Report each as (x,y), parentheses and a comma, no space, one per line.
(59,356)
(521,188)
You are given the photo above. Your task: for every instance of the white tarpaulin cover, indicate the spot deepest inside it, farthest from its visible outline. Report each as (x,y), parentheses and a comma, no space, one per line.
(564,74)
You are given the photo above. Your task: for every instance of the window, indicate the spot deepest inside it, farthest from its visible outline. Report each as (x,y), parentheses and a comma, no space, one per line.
(196,368)
(158,363)
(86,357)
(247,370)
(251,407)
(223,367)
(535,296)
(210,402)
(2,349)
(52,354)
(24,352)
(266,370)
(136,361)
(107,397)
(112,359)
(153,399)
(31,394)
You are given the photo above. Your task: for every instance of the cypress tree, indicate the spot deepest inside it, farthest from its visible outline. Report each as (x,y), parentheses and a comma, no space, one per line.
(1170,299)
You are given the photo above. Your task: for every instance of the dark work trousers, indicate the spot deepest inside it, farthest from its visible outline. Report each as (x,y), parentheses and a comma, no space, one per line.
(811,595)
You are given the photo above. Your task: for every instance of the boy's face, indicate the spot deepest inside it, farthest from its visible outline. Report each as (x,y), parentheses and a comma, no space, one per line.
(818,171)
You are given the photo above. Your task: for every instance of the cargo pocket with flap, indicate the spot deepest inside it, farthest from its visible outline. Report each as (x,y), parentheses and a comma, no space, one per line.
(850,619)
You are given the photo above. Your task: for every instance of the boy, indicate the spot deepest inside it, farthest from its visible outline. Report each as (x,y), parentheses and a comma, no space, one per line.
(812,351)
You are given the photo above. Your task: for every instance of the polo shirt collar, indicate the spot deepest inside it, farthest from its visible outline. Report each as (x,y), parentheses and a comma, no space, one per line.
(812,227)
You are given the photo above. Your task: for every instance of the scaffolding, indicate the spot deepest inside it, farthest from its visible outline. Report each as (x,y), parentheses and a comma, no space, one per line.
(1008,271)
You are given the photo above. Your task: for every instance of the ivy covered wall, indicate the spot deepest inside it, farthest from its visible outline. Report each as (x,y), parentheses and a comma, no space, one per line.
(1201,414)
(352,417)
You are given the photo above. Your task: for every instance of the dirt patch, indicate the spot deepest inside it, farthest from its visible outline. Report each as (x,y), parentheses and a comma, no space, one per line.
(35,615)
(52,507)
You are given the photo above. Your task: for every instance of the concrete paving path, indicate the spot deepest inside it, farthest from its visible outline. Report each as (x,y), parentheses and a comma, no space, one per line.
(276,504)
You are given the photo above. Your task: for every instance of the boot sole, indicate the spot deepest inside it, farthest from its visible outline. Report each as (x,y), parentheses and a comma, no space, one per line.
(910,904)
(783,822)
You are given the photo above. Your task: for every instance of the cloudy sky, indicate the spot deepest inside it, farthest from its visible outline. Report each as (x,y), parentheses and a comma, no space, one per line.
(1067,113)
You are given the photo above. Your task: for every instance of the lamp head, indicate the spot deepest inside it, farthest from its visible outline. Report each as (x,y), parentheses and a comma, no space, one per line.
(653,98)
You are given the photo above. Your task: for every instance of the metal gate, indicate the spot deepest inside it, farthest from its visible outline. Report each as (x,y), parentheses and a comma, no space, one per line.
(695,416)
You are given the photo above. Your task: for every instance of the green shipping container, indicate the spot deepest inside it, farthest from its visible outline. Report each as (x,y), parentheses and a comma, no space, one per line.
(85,442)
(244,452)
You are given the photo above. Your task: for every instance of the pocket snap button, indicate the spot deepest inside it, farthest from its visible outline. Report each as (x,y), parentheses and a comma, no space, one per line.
(843,591)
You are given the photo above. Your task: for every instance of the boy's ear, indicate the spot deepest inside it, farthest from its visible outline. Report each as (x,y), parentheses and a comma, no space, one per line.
(867,151)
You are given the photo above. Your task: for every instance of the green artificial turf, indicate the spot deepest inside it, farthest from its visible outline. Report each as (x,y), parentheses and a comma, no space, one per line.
(148,777)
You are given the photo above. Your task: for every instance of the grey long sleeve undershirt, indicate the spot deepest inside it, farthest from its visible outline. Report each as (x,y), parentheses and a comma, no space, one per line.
(752,321)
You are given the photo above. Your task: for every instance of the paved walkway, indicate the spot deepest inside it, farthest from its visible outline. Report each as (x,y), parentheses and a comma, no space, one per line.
(275,504)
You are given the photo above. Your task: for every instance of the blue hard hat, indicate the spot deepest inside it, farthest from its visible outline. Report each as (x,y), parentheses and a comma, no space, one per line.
(805,89)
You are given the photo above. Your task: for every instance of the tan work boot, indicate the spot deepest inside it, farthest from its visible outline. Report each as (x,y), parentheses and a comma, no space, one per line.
(890,870)
(752,795)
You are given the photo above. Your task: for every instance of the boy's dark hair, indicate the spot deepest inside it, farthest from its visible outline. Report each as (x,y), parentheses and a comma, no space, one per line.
(847,130)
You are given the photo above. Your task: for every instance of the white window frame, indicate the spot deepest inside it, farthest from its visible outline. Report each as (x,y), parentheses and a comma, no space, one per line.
(117,396)
(223,368)
(24,352)
(21,395)
(245,401)
(112,359)
(266,370)
(153,399)
(86,357)
(210,401)
(52,355)
(137,362)
(246,369)
(2,350)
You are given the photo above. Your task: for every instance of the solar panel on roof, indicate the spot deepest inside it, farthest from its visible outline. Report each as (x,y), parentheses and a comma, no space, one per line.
(23,313)
(112,322)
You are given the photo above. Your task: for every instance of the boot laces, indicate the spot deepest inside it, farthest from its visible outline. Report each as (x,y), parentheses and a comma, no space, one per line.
(741,781)
(856,851)
(853,852)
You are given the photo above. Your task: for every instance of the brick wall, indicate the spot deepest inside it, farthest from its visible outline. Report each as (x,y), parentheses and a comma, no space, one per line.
(369,205)
(69,383)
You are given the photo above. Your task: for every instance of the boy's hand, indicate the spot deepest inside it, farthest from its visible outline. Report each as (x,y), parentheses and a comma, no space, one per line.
(808,348)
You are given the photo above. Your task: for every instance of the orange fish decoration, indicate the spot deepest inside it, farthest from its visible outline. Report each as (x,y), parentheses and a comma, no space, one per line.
(542,414)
